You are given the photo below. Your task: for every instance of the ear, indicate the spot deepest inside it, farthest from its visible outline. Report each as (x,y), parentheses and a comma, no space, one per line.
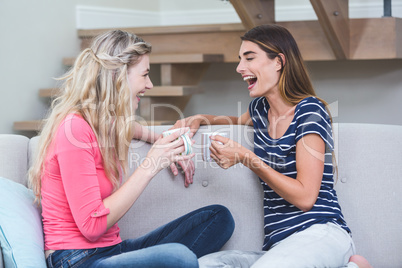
(280,61)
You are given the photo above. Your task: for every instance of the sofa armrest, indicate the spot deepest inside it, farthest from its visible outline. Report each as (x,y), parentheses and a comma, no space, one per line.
(14,157)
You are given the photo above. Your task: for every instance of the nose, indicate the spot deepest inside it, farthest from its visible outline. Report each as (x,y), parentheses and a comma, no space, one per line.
(149,84)
(240,67)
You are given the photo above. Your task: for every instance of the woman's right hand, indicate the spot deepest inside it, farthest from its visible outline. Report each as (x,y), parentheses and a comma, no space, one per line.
(166,151)
(193,122)
(227,152)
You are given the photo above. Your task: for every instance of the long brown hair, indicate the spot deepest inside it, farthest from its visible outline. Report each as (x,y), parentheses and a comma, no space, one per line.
(294,82)
(96,88)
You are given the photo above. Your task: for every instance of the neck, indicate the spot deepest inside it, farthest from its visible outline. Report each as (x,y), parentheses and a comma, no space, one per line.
(278,107)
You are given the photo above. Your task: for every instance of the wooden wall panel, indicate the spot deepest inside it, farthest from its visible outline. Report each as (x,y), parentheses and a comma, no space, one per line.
(225,43)
(310,37)
(374,38)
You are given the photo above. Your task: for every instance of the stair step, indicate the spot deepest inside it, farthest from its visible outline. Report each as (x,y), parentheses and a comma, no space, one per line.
(35,125)
(176,29)
(185,58)
(157,91)
(48,92)
(172,91)
(172,58)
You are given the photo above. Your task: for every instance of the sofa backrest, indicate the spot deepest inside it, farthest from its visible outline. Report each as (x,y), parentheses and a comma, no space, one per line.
(369,188)
(166,198)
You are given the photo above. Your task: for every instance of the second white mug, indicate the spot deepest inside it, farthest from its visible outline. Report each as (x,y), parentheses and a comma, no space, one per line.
(206,143)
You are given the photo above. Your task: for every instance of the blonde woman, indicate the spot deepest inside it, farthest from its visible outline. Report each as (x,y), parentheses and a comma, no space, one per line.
(77,176)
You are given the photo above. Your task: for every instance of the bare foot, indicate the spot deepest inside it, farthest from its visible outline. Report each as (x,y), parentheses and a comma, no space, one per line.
(360,261)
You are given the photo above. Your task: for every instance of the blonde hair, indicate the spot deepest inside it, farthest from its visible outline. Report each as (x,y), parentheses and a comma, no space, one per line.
(96,88)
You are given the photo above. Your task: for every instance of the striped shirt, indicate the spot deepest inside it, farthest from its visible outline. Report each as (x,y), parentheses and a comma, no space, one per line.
(281,218)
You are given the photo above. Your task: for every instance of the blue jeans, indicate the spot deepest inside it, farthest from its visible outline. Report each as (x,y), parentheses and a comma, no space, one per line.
(176,244)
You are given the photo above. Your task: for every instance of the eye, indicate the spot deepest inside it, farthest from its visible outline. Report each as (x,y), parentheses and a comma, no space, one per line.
(145,75)
(249,59)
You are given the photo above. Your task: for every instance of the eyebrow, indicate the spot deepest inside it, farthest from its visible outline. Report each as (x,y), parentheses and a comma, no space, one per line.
(247,53)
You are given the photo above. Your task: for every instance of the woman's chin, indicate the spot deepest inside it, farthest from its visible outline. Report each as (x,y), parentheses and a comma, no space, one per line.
(135,105)
(253,94)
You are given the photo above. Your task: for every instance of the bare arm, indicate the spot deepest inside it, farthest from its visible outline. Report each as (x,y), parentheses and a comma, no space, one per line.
(245,119)
(302,191)
(164,152)
(195,121)
(143,133)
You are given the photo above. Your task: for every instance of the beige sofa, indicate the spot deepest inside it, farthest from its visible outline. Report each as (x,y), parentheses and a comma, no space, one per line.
(369,188)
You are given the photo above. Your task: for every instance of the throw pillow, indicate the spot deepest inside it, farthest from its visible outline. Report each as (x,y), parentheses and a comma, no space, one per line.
(21,233)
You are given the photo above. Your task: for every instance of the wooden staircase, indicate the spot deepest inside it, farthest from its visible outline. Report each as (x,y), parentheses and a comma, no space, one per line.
(180,75)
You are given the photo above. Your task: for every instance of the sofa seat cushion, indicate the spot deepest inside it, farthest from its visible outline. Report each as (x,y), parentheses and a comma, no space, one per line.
(21,235)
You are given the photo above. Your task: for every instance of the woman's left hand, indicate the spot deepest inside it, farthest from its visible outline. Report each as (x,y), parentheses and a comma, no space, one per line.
(188,168)
(226,152)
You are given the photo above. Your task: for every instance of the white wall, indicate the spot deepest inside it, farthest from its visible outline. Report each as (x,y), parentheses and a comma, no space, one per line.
(36,35)
(148,5)
(164,12)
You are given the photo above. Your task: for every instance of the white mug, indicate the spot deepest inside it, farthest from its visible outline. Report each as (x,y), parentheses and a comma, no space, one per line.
(188,149)
(206,143)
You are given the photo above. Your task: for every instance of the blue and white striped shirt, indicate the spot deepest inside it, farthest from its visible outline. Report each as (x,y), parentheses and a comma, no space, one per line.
(281,218)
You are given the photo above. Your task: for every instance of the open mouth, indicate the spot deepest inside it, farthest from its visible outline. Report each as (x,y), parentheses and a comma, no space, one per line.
(140,94)
(251,80)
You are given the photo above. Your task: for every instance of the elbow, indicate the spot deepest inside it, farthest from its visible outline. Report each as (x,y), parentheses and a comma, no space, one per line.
(91,236)
(306,206)
(92,232)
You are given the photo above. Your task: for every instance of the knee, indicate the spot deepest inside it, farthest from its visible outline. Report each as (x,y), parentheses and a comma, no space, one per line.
(181,255)
(225,218)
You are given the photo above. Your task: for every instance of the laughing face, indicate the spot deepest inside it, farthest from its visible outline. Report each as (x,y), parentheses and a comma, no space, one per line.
(261,73)
(138,79)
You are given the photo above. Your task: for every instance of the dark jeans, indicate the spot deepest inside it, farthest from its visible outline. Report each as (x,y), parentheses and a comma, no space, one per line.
(176,244)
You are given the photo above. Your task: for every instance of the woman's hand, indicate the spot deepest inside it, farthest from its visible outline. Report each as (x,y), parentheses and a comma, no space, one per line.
(226,152)
(165,151)
(193,122)
(188,169)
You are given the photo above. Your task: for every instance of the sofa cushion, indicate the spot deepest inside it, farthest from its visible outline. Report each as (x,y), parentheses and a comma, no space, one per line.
(369,189)
(21,235)
(14,157)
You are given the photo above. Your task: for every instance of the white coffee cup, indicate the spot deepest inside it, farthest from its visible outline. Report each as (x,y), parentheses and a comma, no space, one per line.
(206,143)
(188,149)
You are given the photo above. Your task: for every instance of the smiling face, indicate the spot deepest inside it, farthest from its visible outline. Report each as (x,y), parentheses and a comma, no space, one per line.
(260,72)
(138,79)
